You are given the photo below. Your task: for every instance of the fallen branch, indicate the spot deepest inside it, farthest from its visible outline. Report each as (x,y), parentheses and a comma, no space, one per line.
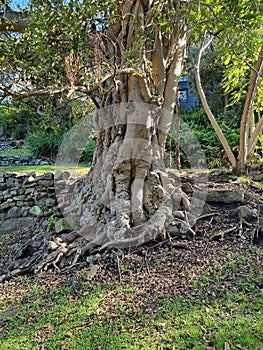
(222,234)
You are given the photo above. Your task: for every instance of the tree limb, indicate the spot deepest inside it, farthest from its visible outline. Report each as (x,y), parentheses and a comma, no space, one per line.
(207,109)
(50,91)
(12,21)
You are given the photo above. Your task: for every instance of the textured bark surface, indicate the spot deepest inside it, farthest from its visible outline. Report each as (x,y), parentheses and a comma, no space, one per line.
(127,198)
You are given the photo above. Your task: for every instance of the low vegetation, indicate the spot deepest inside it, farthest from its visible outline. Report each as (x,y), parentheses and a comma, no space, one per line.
(41,169)
(20,152)
(223,307)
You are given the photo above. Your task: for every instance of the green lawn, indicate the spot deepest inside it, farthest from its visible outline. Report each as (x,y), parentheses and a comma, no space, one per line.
(82,316)
(41,169)
(22,151)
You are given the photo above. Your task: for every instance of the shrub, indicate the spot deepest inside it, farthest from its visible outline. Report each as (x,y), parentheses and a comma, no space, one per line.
(87,152)
(197,123)
(44,143)
(16,121)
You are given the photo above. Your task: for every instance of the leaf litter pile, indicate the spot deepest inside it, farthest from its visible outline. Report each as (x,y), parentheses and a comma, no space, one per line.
(226,251)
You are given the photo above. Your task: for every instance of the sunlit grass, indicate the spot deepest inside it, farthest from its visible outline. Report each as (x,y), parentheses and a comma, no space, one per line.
(22,151)
(41,169)
(84,319)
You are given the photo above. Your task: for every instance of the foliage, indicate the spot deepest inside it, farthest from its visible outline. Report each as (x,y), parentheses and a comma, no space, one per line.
(87,152)
(22,151)
(196,125)
(16,120)
(44,143)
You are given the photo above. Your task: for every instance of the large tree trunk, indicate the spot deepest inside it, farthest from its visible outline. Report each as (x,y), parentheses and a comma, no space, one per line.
(128,197)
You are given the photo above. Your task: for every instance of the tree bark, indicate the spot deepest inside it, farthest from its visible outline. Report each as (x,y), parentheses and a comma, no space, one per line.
(247,111)
(127,197)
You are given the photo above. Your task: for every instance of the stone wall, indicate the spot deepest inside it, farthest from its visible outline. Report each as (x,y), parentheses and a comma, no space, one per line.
(22,160)
(9,143)
(23,198)
(6,143)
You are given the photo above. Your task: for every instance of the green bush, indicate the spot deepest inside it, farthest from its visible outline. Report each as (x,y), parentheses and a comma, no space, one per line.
(16,121)
(44,143)
(87,152)
(198,125)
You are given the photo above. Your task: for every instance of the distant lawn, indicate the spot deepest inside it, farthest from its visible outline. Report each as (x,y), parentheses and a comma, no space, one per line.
(21,152)
(41,169)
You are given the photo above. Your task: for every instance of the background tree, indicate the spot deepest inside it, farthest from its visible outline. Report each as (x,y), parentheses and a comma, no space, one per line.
(242,52)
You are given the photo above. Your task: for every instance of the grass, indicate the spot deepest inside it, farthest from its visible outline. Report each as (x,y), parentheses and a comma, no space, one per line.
(83,320)
(111,316)
(22,151)
(41,169)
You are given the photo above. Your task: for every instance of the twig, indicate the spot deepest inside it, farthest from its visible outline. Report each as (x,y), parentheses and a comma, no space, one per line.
(147,265)
(118,266)
(219,235)
(207,216)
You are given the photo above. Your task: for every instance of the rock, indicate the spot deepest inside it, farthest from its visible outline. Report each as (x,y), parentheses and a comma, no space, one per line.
(50,202)
(173,230)
(6,205)
(12,225)
(187,188)
(48,176)
(258,177)
(14,212)
(58,175)
(66,175)
(191,218)
(244,212)
(92,272)
(35,211)
(62,226)
(52,245)
(179,215)
(223,196)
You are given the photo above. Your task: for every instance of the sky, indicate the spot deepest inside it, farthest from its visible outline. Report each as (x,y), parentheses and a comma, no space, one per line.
(16,3)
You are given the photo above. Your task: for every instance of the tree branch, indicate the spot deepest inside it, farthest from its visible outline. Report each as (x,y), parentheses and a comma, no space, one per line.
(49,91)
(206,107)
(12,21)
(248,108)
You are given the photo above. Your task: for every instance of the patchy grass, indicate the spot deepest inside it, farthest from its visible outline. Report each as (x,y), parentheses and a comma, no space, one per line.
(22,151)
(41,169)
(222,308)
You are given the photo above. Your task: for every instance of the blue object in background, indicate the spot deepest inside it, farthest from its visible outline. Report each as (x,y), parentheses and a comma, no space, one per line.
(186,99)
